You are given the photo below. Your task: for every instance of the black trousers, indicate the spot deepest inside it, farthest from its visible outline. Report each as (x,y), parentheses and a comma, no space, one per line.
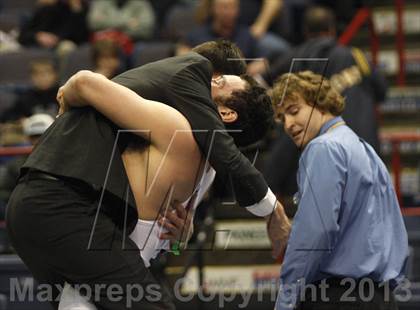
(348,294)
(50,226)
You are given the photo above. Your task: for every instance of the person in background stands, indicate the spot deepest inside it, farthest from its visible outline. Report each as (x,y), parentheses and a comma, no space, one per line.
(258,16)
(107,58)
(134,18)
(40,97)
(33,127)
(56,22)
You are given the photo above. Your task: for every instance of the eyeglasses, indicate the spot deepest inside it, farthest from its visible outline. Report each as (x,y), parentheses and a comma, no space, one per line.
(220,81)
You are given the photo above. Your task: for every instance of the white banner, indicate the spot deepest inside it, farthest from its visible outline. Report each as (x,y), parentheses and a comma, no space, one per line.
(233,279)
(244,234)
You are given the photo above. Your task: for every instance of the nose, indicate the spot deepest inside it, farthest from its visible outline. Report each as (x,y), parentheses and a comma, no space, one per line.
(288,123)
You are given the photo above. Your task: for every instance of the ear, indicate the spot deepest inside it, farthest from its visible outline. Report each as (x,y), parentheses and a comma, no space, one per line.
(228,115)
(216,80)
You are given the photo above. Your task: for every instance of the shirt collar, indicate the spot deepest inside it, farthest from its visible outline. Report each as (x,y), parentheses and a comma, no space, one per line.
(329,124)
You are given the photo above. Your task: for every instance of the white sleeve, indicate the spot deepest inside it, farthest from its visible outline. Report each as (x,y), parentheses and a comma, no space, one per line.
(266,206)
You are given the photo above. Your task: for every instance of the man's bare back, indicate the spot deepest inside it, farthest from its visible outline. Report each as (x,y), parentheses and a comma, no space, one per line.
(161,175)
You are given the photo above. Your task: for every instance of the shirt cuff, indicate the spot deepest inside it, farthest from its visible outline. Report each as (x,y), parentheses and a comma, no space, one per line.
(288,294)
(266,206)
(289,303)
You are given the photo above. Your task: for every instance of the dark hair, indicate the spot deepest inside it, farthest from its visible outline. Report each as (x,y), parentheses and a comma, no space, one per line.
(255,113)
(224,55)
(43,62)
(318,19)
(105,48)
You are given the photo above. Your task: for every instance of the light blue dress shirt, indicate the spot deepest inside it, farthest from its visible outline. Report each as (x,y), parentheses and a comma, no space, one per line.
(348,222)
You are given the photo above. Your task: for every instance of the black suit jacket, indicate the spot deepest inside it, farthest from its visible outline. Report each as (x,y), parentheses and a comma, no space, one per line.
(83,144)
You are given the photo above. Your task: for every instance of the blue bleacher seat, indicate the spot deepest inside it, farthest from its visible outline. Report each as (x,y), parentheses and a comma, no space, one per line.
(19,4)
(7,98)
(79,59)
(151,51)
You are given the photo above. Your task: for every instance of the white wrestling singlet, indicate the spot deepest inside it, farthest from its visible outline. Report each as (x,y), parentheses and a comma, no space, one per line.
(146,236)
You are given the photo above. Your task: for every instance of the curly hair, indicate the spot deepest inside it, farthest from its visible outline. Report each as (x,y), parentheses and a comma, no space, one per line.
(313,88)
(255,113)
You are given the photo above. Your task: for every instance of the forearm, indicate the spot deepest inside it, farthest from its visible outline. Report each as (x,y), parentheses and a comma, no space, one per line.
(281,215)
(86,88)
(282,225)
(114,101)
(124,107)
(269,11)
(72,90)
(278,230)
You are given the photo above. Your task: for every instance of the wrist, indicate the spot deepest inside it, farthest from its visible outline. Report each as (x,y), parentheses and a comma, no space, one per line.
(266,206)
(77,89)
(261,25)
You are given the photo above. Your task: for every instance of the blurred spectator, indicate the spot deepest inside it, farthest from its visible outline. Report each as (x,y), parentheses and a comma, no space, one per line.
(294,12)
(344,10)
(163,7)
(258,16)
(56,22)
(349,72)
(260,21)
(40,97)
(33,128)
(11,134)
(107,58)
(8,41)
(35,125)
(224,25)
(134,18)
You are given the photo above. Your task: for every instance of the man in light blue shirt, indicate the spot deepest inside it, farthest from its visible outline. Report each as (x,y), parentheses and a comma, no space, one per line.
(348,228)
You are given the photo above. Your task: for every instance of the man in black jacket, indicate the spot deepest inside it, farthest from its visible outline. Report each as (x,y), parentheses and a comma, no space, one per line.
(81,155)
(186,88)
